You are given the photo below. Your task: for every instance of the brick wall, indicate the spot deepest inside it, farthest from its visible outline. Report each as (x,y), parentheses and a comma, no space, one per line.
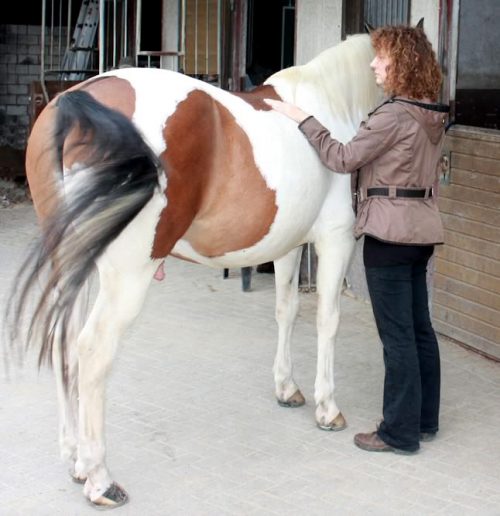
(19,67)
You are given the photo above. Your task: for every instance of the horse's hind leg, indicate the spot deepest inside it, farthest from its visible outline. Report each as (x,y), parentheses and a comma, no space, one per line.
(287,304)
(67,386)
(119,300)
(334,254)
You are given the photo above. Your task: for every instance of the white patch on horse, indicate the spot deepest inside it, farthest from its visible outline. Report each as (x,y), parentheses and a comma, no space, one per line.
(141,231)
(73,177)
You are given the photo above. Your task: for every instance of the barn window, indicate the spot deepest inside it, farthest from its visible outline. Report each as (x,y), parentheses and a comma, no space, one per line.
(202,34)
(374,12)
(270,38)
(387,12)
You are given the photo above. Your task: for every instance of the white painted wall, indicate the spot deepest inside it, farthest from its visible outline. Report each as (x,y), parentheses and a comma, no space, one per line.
(318,26)
(429,11)
(170,33)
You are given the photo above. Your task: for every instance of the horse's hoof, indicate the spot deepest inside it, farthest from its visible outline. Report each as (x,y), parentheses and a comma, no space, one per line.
(336,424)
(114,496)
(295,400)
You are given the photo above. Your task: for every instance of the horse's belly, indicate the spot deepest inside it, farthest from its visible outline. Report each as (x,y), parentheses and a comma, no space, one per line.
(297,202)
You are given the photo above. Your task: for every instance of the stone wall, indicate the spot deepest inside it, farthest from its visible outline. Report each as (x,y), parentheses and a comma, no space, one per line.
(19,67)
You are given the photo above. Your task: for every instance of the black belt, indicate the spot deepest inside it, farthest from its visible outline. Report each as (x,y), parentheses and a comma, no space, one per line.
(414,193)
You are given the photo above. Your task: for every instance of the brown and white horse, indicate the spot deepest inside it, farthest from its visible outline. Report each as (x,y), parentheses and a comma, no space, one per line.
(137,164)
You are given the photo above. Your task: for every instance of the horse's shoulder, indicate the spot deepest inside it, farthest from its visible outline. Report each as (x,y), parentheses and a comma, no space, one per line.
(256,96)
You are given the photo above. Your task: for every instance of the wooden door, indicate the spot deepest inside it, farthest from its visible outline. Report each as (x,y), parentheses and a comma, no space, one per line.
(466,301)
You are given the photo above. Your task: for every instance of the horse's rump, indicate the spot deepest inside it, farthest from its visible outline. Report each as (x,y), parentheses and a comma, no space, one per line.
(114,175)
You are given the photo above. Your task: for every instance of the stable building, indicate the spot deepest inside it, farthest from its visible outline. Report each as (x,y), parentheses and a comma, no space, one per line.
(45,47)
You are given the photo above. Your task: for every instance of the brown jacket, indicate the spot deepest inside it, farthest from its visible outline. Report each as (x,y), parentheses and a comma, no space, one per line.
(398,146)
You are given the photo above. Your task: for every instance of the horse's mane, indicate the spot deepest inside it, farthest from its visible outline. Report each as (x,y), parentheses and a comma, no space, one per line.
(336,86)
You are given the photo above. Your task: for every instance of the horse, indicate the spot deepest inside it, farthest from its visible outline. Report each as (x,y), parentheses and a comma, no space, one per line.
(136,164)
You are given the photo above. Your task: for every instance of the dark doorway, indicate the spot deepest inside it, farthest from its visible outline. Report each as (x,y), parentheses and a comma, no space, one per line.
(477,97)
(271,38)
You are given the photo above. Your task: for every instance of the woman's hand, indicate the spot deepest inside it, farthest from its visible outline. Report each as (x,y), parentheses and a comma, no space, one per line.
(287,109)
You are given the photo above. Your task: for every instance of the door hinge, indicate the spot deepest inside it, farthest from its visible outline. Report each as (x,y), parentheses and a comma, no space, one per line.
(445,168)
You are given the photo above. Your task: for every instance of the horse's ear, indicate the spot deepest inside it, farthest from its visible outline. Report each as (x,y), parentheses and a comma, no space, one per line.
(420,24)
(369,28)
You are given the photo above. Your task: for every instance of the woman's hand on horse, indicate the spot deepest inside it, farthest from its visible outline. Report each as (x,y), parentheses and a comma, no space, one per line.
(287,109)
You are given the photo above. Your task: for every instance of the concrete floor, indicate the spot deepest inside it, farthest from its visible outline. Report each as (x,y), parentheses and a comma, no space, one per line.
(193,427)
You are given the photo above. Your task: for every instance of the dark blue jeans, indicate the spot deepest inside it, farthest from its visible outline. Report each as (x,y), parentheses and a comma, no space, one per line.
(411,354)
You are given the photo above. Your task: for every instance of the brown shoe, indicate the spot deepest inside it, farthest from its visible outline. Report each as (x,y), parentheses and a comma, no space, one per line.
(372,442)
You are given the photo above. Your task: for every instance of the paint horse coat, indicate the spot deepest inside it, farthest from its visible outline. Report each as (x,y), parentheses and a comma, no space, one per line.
(137,164)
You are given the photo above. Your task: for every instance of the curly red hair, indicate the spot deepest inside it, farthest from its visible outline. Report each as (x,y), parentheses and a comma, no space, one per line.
(414,71)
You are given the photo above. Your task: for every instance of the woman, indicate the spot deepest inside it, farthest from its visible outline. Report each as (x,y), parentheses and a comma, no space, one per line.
(397,151)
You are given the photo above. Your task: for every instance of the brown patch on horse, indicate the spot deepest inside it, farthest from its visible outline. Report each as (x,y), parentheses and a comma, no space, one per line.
(41,164)
(41,159)
(256,97)
(114,93)
(217,199)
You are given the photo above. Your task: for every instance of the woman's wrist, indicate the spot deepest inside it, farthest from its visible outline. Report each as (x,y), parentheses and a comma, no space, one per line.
(308,117)
(290,110)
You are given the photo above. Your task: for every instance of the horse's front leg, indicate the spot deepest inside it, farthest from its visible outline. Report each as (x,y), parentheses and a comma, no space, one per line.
(119,300)
(334,254)
(286,272)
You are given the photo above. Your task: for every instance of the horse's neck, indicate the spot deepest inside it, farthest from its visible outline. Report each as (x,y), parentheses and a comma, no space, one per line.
(337,87)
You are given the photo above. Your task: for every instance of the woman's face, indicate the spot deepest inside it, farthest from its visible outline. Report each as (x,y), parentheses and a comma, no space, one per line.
(379,66)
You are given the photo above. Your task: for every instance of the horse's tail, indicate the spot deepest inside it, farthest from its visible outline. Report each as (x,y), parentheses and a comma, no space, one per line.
(116,180)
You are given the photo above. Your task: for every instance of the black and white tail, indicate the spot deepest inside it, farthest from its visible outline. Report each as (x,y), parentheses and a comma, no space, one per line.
(117,179)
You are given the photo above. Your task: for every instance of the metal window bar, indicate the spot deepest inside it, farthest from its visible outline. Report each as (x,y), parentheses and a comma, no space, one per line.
(182,21)
(196,38)
(114,34)
(59,39)
(198,46)
(70,56)
(53,61)
(219,43)
(387,12)
(125,28)
(207,35)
